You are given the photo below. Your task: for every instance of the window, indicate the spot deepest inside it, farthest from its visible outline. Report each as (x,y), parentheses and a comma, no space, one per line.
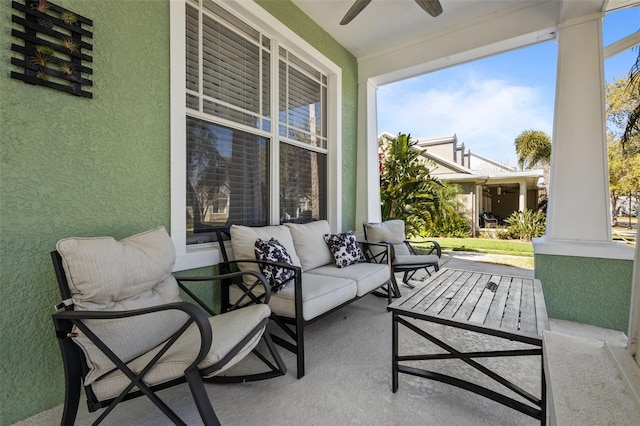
(229,122)
(253,136)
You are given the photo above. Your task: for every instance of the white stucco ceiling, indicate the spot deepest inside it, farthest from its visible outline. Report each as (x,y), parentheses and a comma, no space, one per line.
(385,25)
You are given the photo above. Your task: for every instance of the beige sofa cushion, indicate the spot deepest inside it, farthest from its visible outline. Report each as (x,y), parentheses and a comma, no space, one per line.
(310,245)
(109,275)
(320,294)
(243,240)
(368,276)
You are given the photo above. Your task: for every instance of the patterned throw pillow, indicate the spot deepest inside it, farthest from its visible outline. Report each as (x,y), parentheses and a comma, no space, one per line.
(345,248)
(273,251)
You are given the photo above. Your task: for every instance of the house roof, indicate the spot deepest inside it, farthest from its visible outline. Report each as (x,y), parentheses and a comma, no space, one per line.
(493,162)
(448,163)
(463,174)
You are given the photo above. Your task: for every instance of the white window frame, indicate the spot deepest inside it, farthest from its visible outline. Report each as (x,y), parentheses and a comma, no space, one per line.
(196,256)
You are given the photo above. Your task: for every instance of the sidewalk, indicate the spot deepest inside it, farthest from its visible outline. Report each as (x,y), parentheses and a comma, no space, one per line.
(481,262)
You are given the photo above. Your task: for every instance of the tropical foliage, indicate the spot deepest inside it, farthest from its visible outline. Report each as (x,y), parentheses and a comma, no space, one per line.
(407,189)
(525,225)
(447,220)
(632,127)
(623,99)
(409,192)
(532,148)
(623,154)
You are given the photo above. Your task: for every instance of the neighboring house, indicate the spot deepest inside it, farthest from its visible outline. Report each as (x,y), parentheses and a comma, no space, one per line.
(486,185)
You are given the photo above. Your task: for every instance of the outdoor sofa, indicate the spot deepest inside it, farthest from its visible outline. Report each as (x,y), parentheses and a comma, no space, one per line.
(316,287)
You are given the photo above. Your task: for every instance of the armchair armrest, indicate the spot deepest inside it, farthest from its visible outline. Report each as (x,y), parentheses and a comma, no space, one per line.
(227,266)
(378,252)
(260,280)
(435,246)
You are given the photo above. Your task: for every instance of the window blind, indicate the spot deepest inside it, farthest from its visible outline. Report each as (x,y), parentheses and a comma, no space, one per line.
(302,97)
(303,184)
(227,179)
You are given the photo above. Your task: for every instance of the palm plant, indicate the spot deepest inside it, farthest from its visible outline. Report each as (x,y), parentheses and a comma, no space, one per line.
(533,147)
(447,221)
(526,224)
(407,190)
(633,122)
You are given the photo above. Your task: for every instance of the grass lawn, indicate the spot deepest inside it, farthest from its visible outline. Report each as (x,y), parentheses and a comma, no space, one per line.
(488,246)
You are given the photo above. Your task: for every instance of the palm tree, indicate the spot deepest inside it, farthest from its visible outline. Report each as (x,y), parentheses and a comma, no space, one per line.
(633,122)
(533,147)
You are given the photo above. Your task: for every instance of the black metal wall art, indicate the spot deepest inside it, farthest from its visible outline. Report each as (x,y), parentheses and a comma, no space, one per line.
(55,45)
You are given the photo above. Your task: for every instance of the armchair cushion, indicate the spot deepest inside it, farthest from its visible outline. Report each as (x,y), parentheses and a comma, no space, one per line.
(345,248)
(227,330)
(391,231)
(416,259)
(109,275)
(273,251)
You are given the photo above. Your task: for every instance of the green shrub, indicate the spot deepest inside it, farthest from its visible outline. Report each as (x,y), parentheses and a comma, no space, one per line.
(526,224)
(452,225)
(505,234)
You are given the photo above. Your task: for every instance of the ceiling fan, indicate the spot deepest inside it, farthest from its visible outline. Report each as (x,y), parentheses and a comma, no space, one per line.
(432,7)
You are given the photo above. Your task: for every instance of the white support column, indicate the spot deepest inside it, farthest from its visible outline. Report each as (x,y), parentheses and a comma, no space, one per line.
(579,216)
(477,209)
(368,180)
(522,197)
(579,190)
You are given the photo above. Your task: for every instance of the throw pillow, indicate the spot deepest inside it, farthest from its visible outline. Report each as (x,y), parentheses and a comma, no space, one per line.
(273,251)
(345,248)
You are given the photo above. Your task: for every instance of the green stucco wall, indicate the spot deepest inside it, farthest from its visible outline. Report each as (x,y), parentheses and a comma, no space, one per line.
(77,167)
(587,290)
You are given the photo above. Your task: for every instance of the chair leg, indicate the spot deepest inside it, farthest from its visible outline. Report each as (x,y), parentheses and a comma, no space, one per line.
(71,401)
(201,399)
(72,375)
(282,368)
(300,345)
(406,278)
(394,290)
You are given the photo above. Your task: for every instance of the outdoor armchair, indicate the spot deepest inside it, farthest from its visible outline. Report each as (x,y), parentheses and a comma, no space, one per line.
(124,331)
(489,220)
(405,256)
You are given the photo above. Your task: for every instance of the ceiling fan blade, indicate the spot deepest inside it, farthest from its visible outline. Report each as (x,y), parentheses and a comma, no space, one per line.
(354,11)
(432,7)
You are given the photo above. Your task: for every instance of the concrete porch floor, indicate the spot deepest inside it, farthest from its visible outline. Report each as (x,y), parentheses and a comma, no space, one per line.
(348,380)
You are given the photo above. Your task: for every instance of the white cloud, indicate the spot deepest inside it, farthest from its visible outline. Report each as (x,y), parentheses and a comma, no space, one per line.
(487,114)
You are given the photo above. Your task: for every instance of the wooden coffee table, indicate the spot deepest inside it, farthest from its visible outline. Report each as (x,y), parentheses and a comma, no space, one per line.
(508,307)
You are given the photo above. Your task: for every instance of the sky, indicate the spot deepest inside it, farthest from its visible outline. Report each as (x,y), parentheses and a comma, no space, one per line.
(489,102)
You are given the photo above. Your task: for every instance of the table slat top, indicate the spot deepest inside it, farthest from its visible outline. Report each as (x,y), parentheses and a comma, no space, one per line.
(495,304)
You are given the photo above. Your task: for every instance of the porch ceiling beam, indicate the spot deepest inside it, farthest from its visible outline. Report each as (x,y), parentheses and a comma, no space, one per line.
(621,45)
(514,28)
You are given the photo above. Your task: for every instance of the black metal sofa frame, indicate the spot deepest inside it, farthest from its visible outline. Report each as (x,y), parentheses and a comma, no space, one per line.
(294,327)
